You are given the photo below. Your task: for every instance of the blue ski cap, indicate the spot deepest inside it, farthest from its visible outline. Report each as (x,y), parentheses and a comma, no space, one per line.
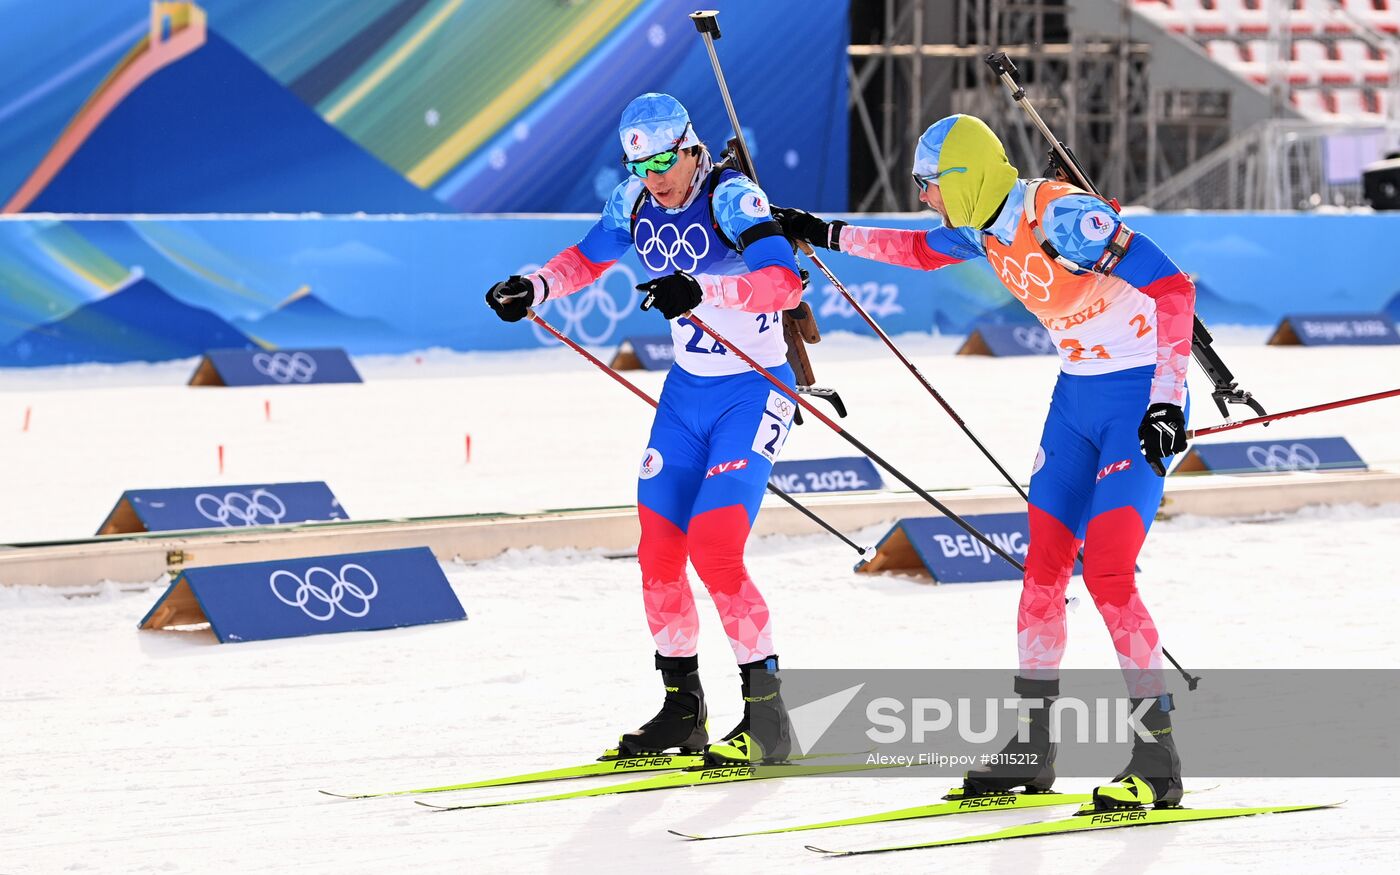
(930,148)
(653,123)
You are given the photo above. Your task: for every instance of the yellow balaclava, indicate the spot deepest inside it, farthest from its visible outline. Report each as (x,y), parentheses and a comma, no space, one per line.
(968,163)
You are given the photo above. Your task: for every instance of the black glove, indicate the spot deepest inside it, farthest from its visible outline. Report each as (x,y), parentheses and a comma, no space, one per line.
(511,298)
(1162,434)
(672,294)
(799,225)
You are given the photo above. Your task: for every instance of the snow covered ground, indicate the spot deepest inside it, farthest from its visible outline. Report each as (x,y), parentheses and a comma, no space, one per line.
(549,431)
(129,751)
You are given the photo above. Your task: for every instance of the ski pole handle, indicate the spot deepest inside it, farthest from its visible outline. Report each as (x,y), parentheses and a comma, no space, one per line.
(706,22)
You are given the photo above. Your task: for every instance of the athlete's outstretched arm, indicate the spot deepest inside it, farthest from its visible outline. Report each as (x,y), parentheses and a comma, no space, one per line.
(923,250)
(772,282)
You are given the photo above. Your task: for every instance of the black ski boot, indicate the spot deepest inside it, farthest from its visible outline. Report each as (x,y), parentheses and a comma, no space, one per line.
(764,734)
(681,720)
(1153,775)
(1029,763)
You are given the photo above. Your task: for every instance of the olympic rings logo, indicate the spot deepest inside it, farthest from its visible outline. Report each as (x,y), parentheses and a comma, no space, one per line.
(281,367)
(1028,281)
(1277,457)
(668,242)
(237,509)
(308,594)
(591,315)
(1033,339)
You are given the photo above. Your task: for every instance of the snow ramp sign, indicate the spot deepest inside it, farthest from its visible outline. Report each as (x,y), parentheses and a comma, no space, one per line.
(290,598)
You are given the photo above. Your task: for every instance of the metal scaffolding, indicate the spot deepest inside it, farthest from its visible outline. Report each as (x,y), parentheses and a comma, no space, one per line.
(1092,89)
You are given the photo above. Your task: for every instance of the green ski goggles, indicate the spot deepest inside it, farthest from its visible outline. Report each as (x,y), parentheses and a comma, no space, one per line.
(658,163)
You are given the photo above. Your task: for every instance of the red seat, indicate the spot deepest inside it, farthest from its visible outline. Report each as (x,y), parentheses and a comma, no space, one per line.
(1367,62)
(1382,15)
(1205,18)
(1354,103)
(1245,17)
(1313,103)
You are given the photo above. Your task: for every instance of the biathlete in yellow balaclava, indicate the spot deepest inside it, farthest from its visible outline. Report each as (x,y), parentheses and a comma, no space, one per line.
(1119,314)
(962,156)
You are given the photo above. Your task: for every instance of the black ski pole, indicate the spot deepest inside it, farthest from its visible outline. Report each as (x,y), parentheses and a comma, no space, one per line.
(866,553)
(851,439)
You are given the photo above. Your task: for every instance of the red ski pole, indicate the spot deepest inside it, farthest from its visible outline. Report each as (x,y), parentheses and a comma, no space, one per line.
(1260,420)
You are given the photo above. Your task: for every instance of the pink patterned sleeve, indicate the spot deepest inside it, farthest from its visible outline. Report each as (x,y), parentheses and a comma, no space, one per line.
(565,274)
(1176,308)
(906,248)
(765,290)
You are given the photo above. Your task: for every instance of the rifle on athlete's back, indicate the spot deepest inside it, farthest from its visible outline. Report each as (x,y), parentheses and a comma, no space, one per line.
(1066,168)
(799,323)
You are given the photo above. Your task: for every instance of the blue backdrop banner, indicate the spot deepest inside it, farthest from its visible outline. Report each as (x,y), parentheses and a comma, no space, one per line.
(113,290)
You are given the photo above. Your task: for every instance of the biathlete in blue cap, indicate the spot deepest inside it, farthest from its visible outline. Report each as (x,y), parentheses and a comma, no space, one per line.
(708,241)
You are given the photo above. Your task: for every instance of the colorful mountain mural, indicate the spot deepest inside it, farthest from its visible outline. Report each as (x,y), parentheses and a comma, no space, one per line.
(140,322)
(396,105)
(307,321)
(213,115)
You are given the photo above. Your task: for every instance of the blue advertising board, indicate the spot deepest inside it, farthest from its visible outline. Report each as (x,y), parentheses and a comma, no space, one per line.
(842,474)
(651,352)
(948,553)
(1006,340)
(1335,329)
(289,598)
(283,367)
(1272,456)
(212,507)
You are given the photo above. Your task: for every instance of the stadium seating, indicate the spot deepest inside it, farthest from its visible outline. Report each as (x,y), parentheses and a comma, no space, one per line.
(1383,15)
(1332,73)
(1361,58)
(1244,17)
(1252,64)
(1356,103)
(1306,65)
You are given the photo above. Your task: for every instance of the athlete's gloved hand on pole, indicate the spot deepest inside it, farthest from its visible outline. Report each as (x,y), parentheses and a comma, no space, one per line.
(800,225)
(674,294)
(511,298)
(1162,434)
